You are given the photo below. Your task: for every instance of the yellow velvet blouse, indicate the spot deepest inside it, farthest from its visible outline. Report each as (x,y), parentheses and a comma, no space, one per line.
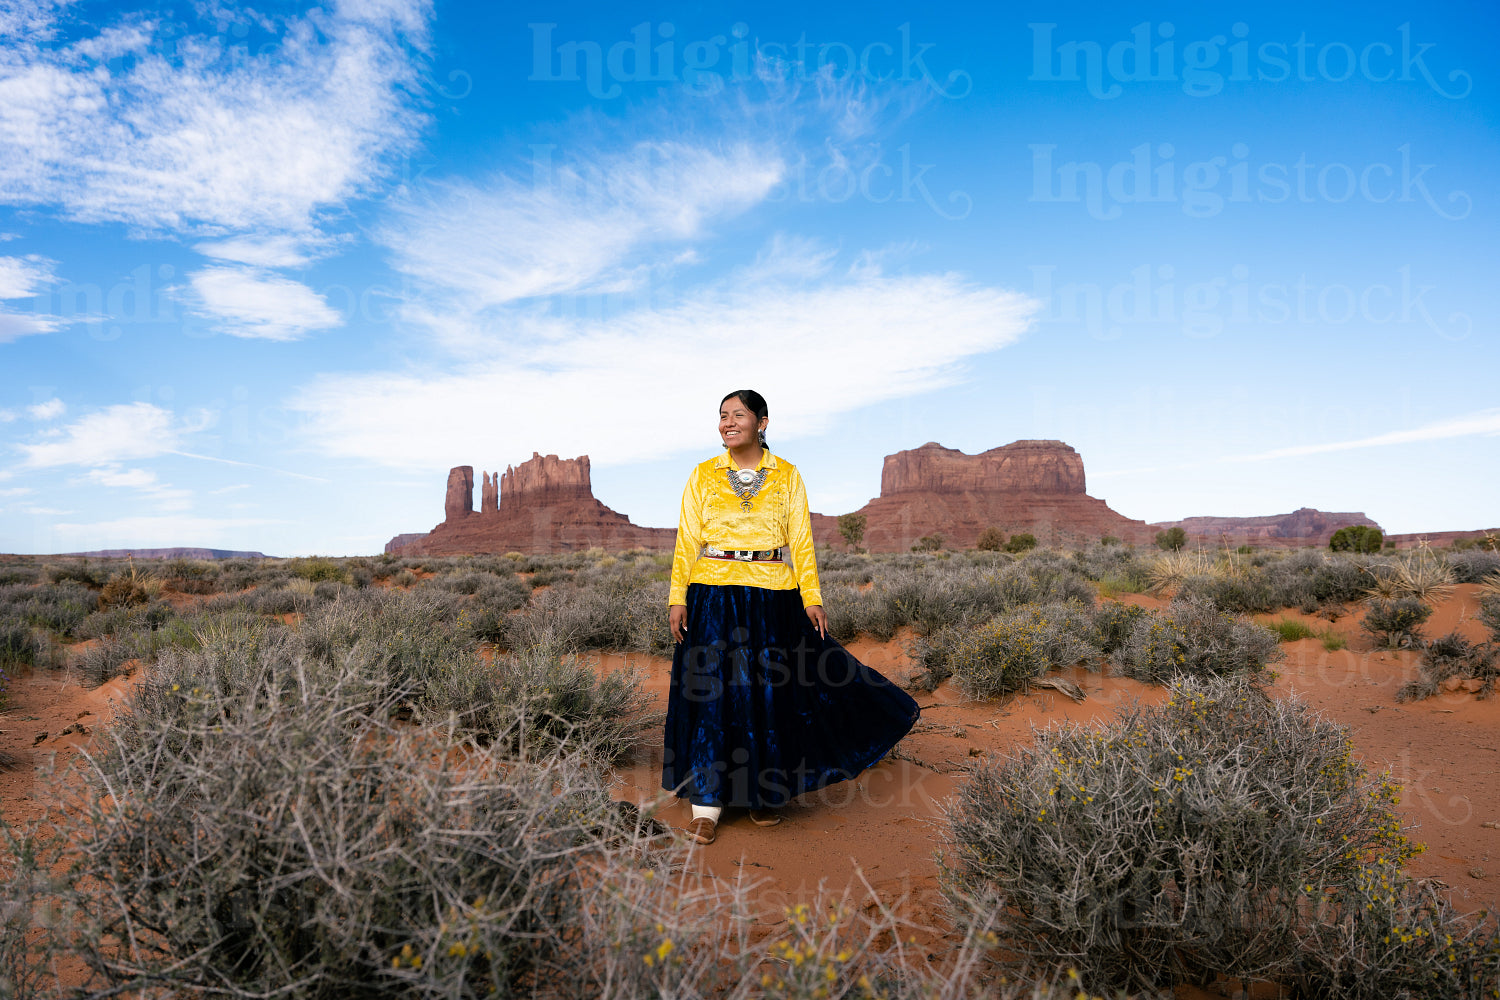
(712,514)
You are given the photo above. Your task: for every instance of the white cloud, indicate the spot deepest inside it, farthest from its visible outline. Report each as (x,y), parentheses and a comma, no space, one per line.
(16,491)
(162,495)
(584,227)
(160,130)
(20,278)
(1485,422)
(7,416)
(115,477)
(49,410)
(248,302)
(645,384)
(114,434)
(264,251)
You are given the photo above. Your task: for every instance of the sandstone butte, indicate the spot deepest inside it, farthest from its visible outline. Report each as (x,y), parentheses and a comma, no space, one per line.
(547,504)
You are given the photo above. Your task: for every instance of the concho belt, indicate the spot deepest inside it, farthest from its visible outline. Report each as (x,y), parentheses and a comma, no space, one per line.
(743,555)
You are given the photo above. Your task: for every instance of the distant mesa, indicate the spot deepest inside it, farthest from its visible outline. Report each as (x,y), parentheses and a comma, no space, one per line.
(1304,526)
(1035,487)
(545,504)
(176,553)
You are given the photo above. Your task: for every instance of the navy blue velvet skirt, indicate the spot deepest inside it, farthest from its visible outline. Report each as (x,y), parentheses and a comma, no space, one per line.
(762,709)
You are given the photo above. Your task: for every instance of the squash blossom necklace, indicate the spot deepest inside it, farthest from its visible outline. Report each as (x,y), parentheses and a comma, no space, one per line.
(746,484)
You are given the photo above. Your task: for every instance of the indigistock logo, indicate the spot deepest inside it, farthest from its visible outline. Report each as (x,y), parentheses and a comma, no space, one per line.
(1195,64)
(705,66)
(1201,188)
(1153,296)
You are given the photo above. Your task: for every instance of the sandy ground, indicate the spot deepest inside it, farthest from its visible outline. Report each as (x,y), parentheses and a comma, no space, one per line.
(881,829)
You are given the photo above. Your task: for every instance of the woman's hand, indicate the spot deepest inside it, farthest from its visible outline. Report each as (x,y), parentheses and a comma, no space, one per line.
(819,619)
(677,621)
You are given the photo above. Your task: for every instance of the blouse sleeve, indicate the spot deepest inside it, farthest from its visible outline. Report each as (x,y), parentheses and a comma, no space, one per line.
(800,541)
(689,540)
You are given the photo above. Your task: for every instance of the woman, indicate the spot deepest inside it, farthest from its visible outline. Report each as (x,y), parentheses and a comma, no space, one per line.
(763,704)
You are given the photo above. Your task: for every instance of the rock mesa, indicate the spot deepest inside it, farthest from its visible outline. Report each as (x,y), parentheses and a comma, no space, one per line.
(545,504)
(1026,486)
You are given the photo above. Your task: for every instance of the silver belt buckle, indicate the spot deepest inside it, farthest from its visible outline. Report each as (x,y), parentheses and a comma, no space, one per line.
(744,555)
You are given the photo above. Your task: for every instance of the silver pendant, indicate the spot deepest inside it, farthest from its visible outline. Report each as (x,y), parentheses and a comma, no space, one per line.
(746,505)
(747,476)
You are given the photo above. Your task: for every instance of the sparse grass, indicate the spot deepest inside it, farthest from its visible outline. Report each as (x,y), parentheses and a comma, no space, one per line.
(1332,641)
(1291,630)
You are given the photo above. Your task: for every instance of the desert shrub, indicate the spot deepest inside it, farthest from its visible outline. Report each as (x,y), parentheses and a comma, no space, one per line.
(1171,539)
(537,702)
(1001,655)
(1383,934)
(609,616)
(20,645)
(58,607)
(1197,639)
(1356,538)
(929,543)
(1023,542)
(277,601)
(1396,623)
(411,632)
(190,576)
(1115,564)
(295,842)
(1245,594)
(129,588)
(1473,566)
(491,605)
(319,568)
(1451,655)
(81,571)
(141,641)
(1114,622)
(19,573)
(1290,630)
(404,578)
(1179,842)
(991,539)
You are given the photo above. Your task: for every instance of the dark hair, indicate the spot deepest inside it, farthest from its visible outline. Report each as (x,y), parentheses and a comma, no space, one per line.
(753,401)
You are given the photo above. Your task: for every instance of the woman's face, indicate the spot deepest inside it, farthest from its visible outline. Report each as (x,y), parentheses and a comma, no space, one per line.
(737,424)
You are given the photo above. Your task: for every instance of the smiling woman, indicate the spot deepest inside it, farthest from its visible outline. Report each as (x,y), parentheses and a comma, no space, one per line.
(764,705)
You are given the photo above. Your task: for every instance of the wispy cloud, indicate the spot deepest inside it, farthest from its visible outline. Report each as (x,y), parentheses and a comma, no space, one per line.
(637,386)
(115,434)
(574,226)
(21,278)
(248,302)
(264,251)
(160,130)
(1485,422)
(49,410)
(142,481)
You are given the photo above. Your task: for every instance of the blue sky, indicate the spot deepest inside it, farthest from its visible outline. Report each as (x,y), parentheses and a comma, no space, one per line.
(267,272)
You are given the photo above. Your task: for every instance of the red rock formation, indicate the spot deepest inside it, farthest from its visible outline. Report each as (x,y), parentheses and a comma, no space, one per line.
(1019,467)
(547,479)
(460,499)
(543,505)
(489,497)
(1026,486)
(1304,526)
